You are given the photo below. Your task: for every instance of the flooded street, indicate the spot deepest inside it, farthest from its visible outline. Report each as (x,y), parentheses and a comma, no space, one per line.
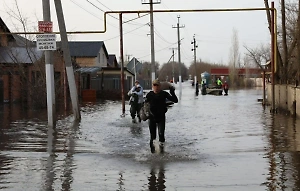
(219,143)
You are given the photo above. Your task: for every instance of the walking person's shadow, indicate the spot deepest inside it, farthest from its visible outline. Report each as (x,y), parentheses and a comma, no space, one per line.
(157,178)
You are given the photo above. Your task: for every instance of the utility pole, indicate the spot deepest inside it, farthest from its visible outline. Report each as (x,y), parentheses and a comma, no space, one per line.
(67,58)
(179,58)
(173,72)
(134,63)
(122,63)
(128,57)
(194,49)
(152,34)
(51,107)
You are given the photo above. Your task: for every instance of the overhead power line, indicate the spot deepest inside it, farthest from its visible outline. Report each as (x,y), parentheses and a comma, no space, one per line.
(101,9)
(158,50)
(125,33)
(128,20)
(103,5)
(91,13)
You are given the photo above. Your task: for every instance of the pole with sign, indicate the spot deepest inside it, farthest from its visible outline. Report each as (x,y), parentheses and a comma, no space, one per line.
(47,43)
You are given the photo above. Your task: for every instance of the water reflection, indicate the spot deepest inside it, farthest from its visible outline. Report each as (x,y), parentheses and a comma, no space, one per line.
(121,181)
(105,152)
(68,164)
(5,168)
(53,150)
(157,178)
(15,112)
(283,153)
(51,147)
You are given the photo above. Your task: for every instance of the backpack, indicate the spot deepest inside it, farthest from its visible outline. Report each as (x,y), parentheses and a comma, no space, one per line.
(145,111)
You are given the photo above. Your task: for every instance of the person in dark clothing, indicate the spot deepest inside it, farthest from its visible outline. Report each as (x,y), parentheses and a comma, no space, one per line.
(158,107)
(225,88)
(136,101)
(197,88)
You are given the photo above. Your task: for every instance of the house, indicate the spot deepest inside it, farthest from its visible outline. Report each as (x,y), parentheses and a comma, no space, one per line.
(86,53)
(98,73)
(22,70)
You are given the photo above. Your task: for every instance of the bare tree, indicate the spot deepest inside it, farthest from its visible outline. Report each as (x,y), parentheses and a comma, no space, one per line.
(234,59)
(19,55)
(166,71)
(259,56)
(288,35)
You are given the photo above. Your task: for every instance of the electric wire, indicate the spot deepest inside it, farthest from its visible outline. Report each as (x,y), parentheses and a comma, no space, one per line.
(92,13)
(159,50)
(128,20)
(124,33)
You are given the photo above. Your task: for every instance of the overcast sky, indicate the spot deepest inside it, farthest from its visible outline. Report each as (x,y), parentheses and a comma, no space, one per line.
(213,30)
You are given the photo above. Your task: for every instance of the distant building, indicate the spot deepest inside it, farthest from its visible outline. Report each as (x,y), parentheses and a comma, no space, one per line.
(242,75)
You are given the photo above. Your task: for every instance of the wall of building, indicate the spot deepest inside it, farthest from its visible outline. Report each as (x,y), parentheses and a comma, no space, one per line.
(6,89)
(287,98)
(3,39)
(101,59)
(86,61)
(256,82)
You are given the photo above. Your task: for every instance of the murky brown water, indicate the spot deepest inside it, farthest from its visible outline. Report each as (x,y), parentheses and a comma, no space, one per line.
(215,143)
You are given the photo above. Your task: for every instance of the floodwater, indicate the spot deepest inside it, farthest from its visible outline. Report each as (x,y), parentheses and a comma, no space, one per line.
(213,143)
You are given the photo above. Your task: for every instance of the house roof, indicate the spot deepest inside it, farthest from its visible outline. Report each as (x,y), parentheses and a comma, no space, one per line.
(5,28)
(15,40)
(19,55)
(85,48)
(138,65)
(21,41)
(112,59)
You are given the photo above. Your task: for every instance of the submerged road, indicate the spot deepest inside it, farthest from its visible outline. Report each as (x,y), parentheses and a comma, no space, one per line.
(219,143)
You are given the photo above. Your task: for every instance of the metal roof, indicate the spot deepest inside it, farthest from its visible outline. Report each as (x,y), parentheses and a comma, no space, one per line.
(19,55)
(88,70)
(85,48)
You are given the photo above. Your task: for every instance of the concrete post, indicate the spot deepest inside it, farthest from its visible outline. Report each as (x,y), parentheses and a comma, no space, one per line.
(51,107)
(67,58)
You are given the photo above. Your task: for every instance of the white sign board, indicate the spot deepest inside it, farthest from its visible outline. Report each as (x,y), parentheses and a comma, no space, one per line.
(46,41)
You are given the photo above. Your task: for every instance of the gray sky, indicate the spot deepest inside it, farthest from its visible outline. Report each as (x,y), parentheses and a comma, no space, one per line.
(213,30)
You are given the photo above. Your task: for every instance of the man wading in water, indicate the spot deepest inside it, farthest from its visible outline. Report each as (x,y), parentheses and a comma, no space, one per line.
(158,107)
